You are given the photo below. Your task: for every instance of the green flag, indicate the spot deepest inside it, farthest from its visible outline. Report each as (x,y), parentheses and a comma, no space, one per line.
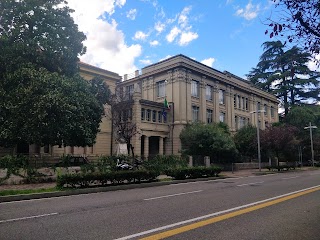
(166,105)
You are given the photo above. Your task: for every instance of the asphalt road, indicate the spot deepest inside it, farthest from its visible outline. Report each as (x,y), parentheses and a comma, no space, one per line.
(279,206)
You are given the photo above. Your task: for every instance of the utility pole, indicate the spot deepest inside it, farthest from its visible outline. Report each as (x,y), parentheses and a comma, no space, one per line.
(310,127)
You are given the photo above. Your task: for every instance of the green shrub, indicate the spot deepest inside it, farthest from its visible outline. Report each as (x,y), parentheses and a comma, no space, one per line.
(105,164)
(193,172)
(161,164)
(102,179)
(14,165)
(87,168)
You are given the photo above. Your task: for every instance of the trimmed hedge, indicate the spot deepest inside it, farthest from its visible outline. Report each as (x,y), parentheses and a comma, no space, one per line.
(281,168)
(193,172)
(103,179)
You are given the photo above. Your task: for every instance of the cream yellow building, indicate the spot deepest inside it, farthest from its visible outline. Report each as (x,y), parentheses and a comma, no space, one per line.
(194,92)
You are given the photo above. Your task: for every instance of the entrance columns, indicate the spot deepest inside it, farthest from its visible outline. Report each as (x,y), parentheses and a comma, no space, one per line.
(161,145)
(146,147)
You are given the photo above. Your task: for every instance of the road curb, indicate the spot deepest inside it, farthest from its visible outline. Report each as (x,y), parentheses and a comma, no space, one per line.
(22,197)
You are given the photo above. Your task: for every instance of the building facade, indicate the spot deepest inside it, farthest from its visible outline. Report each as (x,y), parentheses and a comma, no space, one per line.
(194,92)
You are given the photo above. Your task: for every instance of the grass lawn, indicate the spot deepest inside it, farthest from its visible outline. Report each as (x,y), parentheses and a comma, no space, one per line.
(27,191)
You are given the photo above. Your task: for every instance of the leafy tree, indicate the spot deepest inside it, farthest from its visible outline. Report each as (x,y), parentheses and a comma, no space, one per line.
(299,21)
(100,90)
(43,99)
(285,73)
(246,141)
(207,140)
(280,141)
(300,117)
(120,114)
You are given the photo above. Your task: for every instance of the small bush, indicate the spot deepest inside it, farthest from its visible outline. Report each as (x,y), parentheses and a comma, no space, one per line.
(161,164)
(106,178)
(194,172)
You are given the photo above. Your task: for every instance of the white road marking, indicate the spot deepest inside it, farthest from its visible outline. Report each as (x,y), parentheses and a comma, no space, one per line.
(290,177)
(314,173)
(247,184)
(210,215)
(213,180)
(172,195)
(30,217)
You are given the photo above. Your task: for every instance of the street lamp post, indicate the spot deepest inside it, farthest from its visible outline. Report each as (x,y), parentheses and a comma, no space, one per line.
(258,137)
(310,127)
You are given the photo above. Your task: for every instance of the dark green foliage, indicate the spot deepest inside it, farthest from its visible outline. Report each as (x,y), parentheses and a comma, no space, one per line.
(298,21)
(103,179)
(194,172)
(100,90)
(106,164)
(40,33)
(246,141)
(162,163)
(300,116)
(43,99)
(208,140)
(281,168)
(286,74)
(19,166)
(280,141)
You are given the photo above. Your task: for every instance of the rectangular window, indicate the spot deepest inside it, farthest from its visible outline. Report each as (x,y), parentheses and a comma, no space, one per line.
(154,116)
(236,122)
(194,88)
(148,115)
(272,111)
(265,109)
(209,115)
(161,89)
(243,103)
(209,93)
(129,91)
(246,103)
(239,103)
(235,101)
(242,122)
(258,106)
(222,117)
(142,113)
(159,116)
(130,114)
(195,113)
(221,96)
(46,149)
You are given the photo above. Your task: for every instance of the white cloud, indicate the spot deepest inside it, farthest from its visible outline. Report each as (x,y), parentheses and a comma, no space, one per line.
(209,61)
(154,43)
(166,57)
(159,27)
(105,43)
(139,35)
(187,37)
(145,61)
(183,17)
(313,65)
(173,34)
(249,12)
(132,14)
(182,31)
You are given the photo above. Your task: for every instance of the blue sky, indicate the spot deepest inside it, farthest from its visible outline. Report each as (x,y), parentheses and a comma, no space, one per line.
(123,36)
